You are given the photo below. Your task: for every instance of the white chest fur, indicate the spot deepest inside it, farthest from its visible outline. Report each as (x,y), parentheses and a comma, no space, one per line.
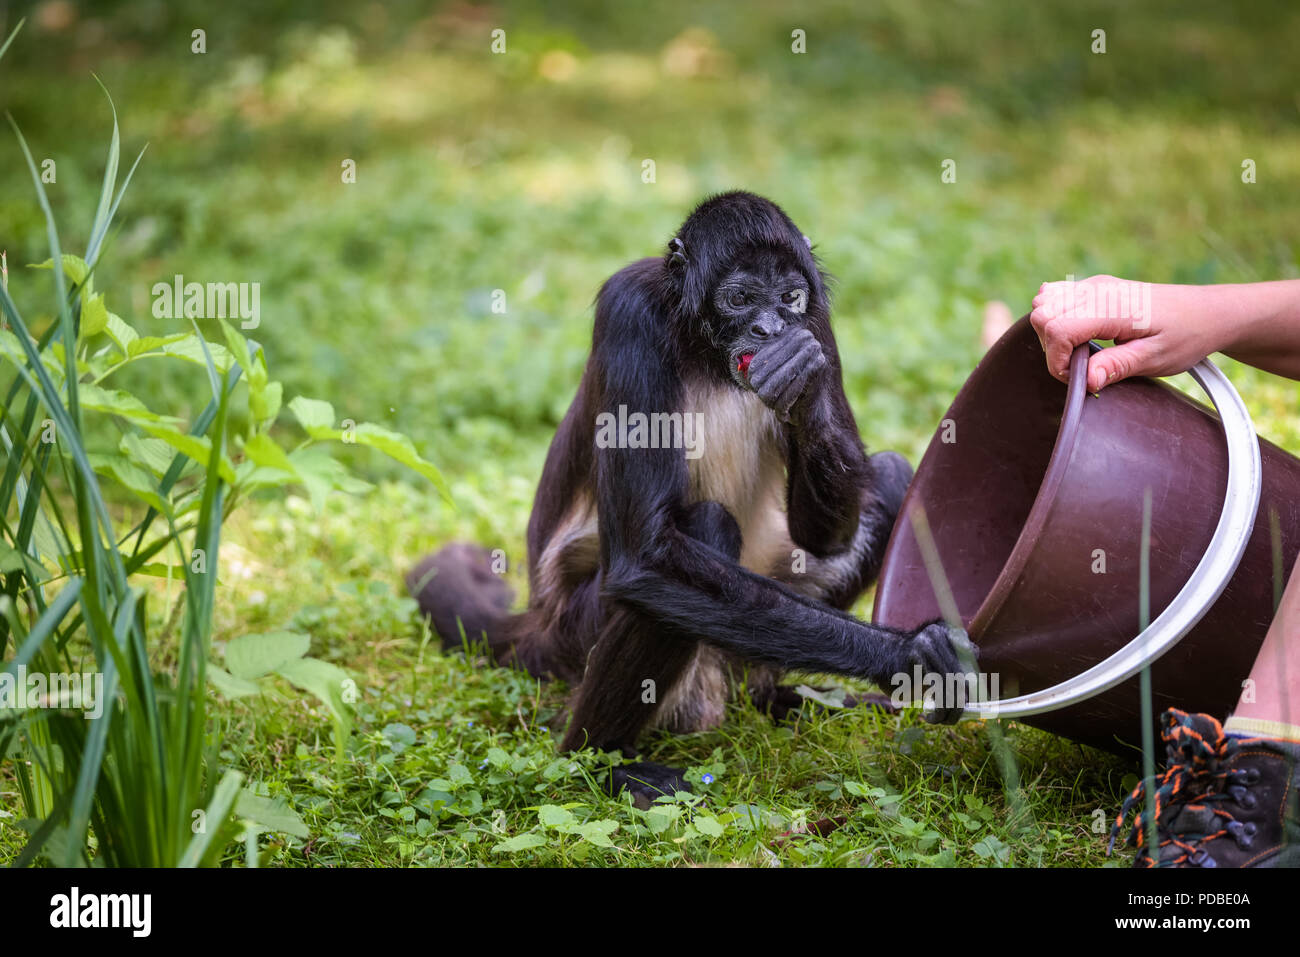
(741,466)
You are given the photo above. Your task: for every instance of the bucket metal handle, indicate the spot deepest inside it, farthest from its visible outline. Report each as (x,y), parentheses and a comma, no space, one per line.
(1202,589)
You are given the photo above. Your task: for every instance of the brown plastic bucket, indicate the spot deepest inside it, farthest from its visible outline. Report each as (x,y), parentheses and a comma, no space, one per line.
(1033,492)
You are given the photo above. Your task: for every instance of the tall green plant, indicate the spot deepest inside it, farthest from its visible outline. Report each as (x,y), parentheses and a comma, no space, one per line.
(137,785)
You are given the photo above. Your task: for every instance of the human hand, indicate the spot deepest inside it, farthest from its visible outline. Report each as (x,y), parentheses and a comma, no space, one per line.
(1158,329)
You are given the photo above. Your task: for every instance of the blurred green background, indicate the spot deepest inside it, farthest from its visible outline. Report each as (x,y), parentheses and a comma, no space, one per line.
(522,172)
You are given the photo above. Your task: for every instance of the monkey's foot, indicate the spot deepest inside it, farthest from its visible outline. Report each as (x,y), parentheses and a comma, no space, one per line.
(646,781)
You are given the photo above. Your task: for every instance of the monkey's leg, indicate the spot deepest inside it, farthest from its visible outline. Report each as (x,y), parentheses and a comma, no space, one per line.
(554,637)
(633,668)
(619,665)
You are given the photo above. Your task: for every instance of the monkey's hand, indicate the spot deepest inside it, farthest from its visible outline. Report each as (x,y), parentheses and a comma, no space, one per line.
(787,370)
(935,650)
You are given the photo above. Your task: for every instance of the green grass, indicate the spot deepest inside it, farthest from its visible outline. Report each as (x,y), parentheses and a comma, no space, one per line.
(522,173)
(912,794)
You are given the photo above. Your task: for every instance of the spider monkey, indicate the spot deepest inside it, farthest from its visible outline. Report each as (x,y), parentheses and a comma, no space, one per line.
(659,574)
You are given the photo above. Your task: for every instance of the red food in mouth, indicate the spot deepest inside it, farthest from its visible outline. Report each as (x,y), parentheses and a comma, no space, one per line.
(743,365)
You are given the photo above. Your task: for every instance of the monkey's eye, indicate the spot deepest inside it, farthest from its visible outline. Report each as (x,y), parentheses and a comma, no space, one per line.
(736,298)
(796,298)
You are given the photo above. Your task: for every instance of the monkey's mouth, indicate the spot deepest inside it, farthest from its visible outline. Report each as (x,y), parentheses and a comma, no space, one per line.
(739,369)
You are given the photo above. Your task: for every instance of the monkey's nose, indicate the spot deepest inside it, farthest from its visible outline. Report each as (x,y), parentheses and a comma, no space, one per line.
(766,327)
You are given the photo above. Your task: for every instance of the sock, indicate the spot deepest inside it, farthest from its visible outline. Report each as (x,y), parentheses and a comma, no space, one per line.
(1259,728)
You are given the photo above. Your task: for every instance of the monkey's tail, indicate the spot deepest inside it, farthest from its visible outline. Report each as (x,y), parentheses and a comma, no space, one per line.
(456,588)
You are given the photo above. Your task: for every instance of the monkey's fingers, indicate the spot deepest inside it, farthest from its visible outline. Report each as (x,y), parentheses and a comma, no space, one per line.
(806,364)
(781,386)
(774,355)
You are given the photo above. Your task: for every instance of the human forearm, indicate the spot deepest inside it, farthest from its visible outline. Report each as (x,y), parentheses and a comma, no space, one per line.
(1168,328)
(1261,323)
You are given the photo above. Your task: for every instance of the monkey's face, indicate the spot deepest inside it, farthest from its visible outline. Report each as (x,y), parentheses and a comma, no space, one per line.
(755,305)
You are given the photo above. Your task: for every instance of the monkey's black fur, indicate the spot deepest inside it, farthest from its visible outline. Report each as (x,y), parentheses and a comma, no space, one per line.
(655,579)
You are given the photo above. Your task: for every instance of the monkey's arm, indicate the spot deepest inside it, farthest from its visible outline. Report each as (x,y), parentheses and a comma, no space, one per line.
(828,470)
(798,376)
(687,585)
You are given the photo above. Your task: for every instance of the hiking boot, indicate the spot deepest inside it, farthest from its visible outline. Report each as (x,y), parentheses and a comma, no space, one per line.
(1222,801)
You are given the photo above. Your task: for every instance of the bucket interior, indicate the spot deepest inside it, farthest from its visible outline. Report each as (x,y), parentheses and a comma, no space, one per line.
(981,476)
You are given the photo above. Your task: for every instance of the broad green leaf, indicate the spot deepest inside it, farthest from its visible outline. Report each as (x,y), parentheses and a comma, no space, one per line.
(230,686)
(393,444)
(552,815)
(858,789)
(708,825)
(272,814)
(399,735)
(131,477)
(74,267)
(250,475)
(12,560)
(49,541)
(991,846)
(322,679)
(55,351)
(312,413)
(321,473)
(520,842)
(154,454)
(265,403)
(197,447)
(117,402)
(261,448)
(11,349)
(399,447)
(660,817)
(834,698)
(145,344)
(238,347)
(188,348)
(94,315)
(597,832)
(252,656)
(121,334)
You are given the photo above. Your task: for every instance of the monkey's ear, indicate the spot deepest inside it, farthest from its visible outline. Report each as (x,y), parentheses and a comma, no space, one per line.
(676,253)
(807,242)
